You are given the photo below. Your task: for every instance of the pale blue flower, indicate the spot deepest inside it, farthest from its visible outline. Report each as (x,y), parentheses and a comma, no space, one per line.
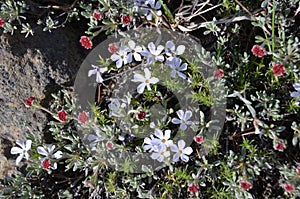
(172,51)
(153,53)
(180,151)
(98,71)
(22,150)
(296,94)
(145,80)
(183,119)
(121,57)
(177,67)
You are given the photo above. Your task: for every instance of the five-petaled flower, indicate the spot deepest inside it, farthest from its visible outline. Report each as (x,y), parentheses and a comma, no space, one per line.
(97,15)
(181,152)
(121,56)
(154,8)
(126,19)
(1,22)
(164,138)
(172,51)
(49,156)
(146,80)
(289,187)
(86,42)
(29,102)
(193,188)
(218,73)
(152,144)
(153,53)
(296,94)
(278,69)
(112,48)
(258,51)
(83,117)
(279,146)
(244,184)
(98,71)
(22,150)
(62,115)
(183,119)
(177,67)
(161,154)
(134,52)
(199,139)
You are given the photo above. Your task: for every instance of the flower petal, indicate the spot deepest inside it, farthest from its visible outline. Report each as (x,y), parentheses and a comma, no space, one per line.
(137,57)
(180,114)
(138,78)
(183,126)
(19,158)
(119,63)
(131,44)
(42,151)
(185,158)
(153,80)
(158,133)
(151,45)
(295,94)
(176,157)
(167,134)
(27,156)
(147,73)
(141,88)
(188,115)
(174,148)
(99,78)
(181,144)
(92,72)
(57,155)
(28,145)
(188,150)
(297,86)
(170,45)
(16,150)
(176,121)
(115,57)
(20,143)
(180,50)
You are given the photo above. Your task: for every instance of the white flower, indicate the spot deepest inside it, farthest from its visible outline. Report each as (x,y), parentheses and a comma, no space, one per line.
(183,119)
(153,53)
(98,72)
(152,144)
(296,94)
(177,67)
(160,155)
(154,7)
(134,51)
(49,156)
(146,80)
(172,51)
(181,152)
(121,56)
(116,108)
(49,152)
(164,138)
(22,150)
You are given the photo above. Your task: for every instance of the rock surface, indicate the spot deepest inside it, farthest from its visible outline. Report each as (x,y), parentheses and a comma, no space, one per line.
(35,66)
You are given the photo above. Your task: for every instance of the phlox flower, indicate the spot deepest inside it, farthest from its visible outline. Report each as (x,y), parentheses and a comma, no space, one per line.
(152,144)
(172,51)
(296,94)
(177,67)
(153,53)
(97,71)
(154,7)
(164,138)
(134,51)
(121,56)
(183,119)
(145,80)
(22,150)
(180,151)
(161,154)
(49,156)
